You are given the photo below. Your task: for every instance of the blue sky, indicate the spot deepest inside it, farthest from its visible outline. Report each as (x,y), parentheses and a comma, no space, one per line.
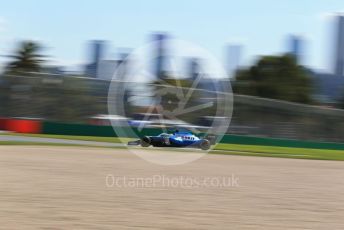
(261,26)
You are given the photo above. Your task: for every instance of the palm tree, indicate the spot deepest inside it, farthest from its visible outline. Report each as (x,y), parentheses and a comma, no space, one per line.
(26,58)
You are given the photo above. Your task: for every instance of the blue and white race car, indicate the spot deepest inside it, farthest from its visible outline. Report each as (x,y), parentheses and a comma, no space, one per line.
(176,139)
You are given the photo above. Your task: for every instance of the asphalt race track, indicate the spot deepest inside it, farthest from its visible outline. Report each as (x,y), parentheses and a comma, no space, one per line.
(49,187)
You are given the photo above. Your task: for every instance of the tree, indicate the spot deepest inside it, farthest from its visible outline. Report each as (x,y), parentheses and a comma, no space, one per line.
(276,77)
(26,58)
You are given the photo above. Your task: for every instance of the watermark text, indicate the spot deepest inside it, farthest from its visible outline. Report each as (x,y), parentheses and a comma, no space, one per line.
(164,181)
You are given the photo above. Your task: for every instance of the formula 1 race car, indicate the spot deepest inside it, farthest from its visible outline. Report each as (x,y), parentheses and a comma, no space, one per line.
(176,139)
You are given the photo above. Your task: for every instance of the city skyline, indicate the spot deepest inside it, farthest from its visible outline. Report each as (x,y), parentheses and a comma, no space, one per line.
(68,29)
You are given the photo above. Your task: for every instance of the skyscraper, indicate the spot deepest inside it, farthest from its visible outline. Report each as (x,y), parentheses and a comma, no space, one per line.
(194,68)
(106,69)
(159,58)
(97,54)
(234,58)
(295,47)
(339,46)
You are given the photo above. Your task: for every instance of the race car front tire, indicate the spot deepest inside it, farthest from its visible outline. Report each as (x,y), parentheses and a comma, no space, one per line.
(205,144)
(145,141)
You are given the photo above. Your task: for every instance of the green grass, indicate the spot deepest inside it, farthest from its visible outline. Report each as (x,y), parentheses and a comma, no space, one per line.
(67,137)
(35,143)
(26,143)
(229,149)
(285,152)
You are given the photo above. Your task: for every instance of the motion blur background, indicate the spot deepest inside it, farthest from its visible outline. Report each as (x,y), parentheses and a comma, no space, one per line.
(285,63)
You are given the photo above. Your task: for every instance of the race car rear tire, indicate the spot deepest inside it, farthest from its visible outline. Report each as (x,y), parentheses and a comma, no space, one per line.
(145,141)
(205,144)
(211,138)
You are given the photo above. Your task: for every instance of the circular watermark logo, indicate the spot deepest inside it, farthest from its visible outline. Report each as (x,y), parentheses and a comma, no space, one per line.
(170,94)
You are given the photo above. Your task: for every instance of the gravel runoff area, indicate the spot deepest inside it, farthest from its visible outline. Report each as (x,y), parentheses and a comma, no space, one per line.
(50,187)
